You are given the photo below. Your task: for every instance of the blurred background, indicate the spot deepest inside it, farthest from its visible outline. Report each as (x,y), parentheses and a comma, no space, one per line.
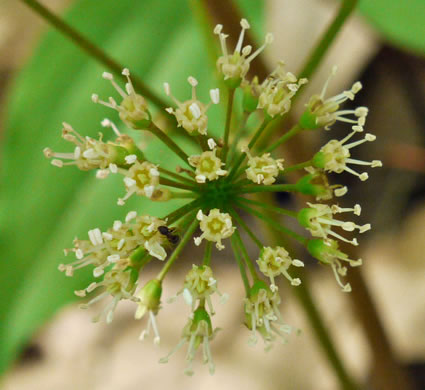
(46,342)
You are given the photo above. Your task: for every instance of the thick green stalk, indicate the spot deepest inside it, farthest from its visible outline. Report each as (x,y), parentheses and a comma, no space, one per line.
(182,211)
(251,189)
(245,227)
(169,142)
(328,37)
(251,144)
(183,195)
(288,135)
(272,223)
(240,265)
(270,207)
(245,255)
(207,253)
(176,184)
(92,50)
(176,176)
(296,167)
(185,239)
(230,100)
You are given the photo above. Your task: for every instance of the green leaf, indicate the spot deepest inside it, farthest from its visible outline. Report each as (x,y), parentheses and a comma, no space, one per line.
(402,22)
(44,208)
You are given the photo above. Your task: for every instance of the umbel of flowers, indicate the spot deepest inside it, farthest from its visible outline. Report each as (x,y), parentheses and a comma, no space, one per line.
(221,183)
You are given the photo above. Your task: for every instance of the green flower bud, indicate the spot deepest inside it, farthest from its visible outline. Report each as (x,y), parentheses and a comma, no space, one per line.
(150,298)
(250,95)
(306,187)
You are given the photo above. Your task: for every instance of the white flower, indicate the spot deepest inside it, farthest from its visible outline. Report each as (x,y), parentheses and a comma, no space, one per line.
(208,166)
(100,250)
(276,261)
(215,226)
(120,282)
(133,108)
(88,153)
(335,155)
(199,285)
(198,331)
(263,169)
(326,251)
(191,114)
(236,65)
(324,112)
(263,315)
(141,179)
(319,220)
(277,91)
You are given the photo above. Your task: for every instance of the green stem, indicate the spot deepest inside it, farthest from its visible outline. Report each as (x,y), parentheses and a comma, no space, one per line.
(185,239)
(169,142)
(296,167)
(245,227)
(251,144)
(227,125)
(251,189)
(176,176)
(183,195)
(182,211)
(245,255)
(328,37)
(289,134)
(240,264)
(92,50)
(176,184)
(240,132)
(275,225)
(207,253)
(270,207)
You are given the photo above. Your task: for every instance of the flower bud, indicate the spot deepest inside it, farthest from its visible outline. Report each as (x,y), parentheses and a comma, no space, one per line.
(150,298)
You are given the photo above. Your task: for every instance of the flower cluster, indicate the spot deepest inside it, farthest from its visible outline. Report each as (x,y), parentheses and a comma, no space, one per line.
(221,183)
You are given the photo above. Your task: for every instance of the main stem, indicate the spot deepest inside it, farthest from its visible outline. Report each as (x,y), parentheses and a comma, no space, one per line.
(227,125)
(92,50)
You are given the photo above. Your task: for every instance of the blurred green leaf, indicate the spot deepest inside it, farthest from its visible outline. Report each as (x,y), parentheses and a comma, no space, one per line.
(44,208)
(401,21)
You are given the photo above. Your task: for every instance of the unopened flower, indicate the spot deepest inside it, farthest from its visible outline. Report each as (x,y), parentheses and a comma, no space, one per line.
(191,114)
(149,302)
(324,112)
(263,316)
(140,179)
(263,169)
(277,91)
(327,252)
(319,220)
(120,282)
(335,155)
(236,65)
(208,166)
(133,109)
(276,261)
(215,227)
(197,332)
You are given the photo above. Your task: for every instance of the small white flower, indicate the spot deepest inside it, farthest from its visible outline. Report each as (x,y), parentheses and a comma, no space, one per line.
(335,155)
(191,114)
(208,166)
(263,169)
(236,65)
(277,91)
(215,227)
(133,107)
(276,261)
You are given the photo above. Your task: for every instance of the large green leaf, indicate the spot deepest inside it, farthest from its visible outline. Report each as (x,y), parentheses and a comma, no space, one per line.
(401,21)
(44,207)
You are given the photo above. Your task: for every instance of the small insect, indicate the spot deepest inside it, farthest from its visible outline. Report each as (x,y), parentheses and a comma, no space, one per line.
(169,233)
